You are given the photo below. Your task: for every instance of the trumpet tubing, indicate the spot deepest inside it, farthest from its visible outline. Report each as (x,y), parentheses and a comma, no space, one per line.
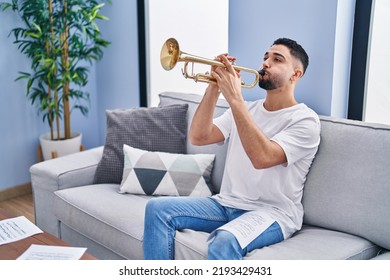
(170,55)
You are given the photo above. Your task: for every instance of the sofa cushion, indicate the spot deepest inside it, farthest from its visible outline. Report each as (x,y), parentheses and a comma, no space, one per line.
(382,256)
(105,216)
(154,129)
(310,243)
(168,98)
(347,188)
(159,173)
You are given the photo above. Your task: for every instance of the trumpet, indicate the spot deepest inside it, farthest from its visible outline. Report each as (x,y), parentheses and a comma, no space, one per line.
(170,55)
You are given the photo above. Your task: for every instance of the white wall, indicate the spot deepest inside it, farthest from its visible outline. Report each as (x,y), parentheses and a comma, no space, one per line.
(201,28)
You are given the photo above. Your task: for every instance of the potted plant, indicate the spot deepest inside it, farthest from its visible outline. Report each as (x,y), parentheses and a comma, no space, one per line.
(62,39)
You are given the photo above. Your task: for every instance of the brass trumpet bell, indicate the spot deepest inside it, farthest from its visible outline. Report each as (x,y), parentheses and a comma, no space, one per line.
(170,55)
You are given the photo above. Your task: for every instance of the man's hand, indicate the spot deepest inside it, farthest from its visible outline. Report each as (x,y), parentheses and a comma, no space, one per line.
(228,79)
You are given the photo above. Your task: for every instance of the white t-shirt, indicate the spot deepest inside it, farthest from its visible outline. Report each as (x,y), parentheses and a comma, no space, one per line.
(276,190)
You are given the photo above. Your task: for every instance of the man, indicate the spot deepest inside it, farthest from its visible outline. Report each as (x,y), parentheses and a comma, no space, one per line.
(272,143)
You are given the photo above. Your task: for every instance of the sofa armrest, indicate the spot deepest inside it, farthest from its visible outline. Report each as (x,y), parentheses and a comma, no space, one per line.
(66,172)
(61,173)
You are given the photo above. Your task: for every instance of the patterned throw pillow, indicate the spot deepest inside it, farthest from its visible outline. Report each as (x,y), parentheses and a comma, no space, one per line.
(159,173)
(162,129)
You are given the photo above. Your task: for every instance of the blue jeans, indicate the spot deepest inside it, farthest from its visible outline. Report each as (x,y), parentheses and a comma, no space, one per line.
(165,215)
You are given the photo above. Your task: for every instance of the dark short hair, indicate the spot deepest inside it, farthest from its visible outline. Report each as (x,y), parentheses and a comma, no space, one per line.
(296,50)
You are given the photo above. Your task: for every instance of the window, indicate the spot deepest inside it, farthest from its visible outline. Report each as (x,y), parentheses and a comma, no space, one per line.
(377,93)
(201,29)
(369,98)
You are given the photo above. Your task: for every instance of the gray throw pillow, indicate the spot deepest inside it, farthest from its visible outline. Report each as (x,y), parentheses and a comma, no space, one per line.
(162,129)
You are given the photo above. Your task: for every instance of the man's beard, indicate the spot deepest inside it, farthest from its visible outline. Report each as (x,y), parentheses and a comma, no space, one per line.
(266,84)
(270,83)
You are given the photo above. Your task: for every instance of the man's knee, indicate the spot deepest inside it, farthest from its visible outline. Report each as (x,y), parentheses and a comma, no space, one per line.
(157,204)
(158,207)
(222,237)
(151,205)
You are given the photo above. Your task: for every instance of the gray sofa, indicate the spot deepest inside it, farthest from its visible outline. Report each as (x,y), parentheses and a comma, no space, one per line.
(346,199)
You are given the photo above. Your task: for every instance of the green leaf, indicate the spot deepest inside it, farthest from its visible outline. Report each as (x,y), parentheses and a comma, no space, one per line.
(98,16)
(38,36)
(5,6)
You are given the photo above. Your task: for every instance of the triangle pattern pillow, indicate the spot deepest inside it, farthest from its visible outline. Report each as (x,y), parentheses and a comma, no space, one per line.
(169,174)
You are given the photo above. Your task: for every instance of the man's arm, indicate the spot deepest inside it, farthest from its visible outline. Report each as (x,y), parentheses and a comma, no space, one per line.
(202,130)
(262,151)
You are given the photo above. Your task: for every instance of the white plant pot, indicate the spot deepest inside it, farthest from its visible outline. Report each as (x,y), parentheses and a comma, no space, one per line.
(61,147)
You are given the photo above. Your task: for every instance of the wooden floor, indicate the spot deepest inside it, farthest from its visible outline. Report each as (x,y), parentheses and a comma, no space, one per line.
(20,206)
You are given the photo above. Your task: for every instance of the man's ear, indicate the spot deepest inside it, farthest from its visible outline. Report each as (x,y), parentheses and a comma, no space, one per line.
(298,73)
